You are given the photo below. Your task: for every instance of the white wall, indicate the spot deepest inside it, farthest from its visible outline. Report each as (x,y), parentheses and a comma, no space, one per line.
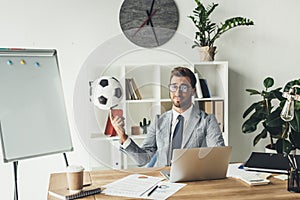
(75,28)
(267,49)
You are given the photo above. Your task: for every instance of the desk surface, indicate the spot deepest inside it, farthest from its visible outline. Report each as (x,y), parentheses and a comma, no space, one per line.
(228,188)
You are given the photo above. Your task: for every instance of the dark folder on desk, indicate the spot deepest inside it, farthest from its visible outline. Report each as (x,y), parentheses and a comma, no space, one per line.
(268,162)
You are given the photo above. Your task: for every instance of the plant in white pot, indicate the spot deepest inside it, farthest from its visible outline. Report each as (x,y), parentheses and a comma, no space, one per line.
(208,32)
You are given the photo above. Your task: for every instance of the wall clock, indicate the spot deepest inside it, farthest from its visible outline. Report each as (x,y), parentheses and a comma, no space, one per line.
(149,23)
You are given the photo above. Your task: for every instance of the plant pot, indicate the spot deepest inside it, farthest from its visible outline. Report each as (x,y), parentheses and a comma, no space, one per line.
(207,53)
(269,149)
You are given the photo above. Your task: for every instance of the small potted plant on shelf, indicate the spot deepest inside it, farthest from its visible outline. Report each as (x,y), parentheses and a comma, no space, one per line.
(208,32)
(269,115)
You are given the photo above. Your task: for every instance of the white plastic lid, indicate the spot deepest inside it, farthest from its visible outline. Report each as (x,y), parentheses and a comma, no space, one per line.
(75,168)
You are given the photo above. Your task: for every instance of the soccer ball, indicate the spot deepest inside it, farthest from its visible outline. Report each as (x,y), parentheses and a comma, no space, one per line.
(106,92)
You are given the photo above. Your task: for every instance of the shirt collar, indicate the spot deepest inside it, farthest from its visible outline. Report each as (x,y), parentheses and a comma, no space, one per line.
(186,114)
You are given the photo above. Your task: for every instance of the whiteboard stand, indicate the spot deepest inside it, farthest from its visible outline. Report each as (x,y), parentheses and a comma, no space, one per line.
(16,163)
(66,159)
(16,179)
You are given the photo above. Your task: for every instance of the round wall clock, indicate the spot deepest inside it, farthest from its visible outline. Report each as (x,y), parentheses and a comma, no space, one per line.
(149,23)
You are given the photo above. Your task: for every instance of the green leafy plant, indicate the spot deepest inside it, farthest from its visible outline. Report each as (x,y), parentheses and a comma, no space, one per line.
(290,135)
(208,32)
(265,114)
(260,113)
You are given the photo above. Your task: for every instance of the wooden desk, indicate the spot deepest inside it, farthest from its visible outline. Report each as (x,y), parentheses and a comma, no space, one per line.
(223,189)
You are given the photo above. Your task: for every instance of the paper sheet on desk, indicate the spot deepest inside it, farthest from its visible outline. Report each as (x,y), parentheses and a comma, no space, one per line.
(139,186)
(134,185)
(165,190)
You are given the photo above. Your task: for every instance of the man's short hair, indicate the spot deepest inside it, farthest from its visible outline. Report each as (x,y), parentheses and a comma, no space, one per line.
(184,72)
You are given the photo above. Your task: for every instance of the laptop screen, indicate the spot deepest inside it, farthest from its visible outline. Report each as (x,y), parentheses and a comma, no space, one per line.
(200,163)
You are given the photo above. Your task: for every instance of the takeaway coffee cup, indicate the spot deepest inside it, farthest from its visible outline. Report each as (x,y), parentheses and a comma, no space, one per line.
(75,178)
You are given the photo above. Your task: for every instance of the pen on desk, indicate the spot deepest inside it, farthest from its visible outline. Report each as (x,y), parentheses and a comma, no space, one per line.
(257,180)
(152,190)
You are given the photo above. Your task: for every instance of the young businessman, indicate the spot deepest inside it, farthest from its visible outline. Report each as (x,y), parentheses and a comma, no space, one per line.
(195,127)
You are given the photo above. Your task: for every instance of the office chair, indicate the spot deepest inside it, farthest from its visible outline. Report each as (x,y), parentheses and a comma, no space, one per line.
(152,161)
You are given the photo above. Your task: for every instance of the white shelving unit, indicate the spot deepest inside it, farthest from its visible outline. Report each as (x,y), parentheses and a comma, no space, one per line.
(152,81)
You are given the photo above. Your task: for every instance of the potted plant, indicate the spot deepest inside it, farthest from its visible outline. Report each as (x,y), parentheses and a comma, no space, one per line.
(267,114)
(262,111)
(208,32)
(290,134)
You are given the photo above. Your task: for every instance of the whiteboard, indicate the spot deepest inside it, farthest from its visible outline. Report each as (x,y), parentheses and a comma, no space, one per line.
(33,119)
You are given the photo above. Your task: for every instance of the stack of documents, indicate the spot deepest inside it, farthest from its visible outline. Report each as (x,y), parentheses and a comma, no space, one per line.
(249,177)
(142,186)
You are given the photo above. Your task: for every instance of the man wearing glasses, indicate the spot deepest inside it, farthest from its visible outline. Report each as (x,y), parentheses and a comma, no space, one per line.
(185,126)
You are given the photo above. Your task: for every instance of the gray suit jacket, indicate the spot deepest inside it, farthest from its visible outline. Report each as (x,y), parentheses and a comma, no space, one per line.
(202,131)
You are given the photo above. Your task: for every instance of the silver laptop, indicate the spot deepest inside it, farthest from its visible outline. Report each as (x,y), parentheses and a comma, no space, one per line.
(199,163)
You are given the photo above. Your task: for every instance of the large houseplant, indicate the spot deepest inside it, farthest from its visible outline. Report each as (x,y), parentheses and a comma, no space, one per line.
(261,112)
(267,113)
(290,135)
(208,32)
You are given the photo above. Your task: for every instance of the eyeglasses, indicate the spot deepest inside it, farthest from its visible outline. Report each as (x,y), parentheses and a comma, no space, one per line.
(182,87)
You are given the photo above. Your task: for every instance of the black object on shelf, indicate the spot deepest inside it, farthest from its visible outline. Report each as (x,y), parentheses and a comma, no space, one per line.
(204,88)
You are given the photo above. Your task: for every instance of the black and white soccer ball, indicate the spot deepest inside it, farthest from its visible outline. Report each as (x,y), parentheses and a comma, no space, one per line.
(106,92)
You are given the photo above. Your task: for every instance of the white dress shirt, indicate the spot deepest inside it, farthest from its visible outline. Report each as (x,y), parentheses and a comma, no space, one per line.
(186,114)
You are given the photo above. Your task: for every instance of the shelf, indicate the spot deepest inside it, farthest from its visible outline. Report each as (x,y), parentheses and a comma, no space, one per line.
(165,100)
(210,99)
(101,136)
(143,101)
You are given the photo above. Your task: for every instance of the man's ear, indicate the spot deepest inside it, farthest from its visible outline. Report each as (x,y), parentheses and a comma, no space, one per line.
(194,91)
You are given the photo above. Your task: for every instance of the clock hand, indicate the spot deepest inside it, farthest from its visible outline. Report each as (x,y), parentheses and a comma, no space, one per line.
(149,18)
(151,23)
(155,36)
(145,22)
(151,8)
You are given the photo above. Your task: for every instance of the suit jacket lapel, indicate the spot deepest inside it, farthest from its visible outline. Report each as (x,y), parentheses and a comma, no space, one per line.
(166,128)
(194,119)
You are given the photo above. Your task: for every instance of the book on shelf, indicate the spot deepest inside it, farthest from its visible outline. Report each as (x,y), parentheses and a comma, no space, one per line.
(129,90)
(198,87)
(215,107)
(219,113)
(136,90)
(209,107)
(132,91)
(204,88)
(66,194)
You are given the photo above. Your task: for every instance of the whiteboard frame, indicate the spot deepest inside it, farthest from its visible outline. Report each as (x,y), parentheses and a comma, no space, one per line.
(4,52)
